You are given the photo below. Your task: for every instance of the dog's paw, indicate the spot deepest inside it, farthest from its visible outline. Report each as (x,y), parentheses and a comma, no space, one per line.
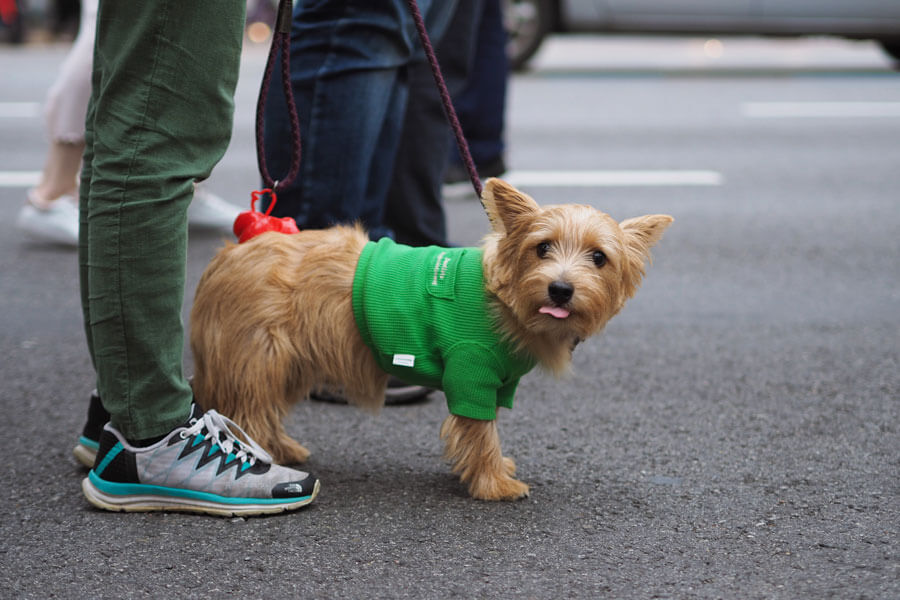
(498,488)
(290,452)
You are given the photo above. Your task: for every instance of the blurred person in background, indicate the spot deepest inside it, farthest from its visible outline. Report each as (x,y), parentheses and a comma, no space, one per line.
(50,212)
(372,124)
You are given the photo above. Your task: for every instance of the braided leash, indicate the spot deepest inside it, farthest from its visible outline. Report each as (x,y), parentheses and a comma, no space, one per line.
(281,40)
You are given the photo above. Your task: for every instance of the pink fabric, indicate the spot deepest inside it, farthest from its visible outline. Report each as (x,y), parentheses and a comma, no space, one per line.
(68,97)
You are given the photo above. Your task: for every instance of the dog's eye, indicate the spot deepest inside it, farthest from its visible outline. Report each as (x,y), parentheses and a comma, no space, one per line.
(599,258)
(542,249)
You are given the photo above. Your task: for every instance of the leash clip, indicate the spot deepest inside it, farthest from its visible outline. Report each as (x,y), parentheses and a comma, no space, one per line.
(283,23)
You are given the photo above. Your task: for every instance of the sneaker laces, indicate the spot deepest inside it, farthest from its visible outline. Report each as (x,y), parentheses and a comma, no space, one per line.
(222,430)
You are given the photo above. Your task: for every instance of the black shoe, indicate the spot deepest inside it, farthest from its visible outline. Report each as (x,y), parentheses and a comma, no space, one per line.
(85,450)
(457,173)
(494,168)
(400,392)
(397,392)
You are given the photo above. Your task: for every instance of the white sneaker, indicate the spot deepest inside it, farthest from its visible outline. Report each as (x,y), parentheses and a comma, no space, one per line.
(208,210)
(56,222)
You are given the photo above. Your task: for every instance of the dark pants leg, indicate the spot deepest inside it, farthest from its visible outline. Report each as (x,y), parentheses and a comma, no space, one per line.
(481,106)
(414,208)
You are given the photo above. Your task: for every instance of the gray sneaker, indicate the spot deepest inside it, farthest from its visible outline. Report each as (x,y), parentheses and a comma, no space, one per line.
(200,467)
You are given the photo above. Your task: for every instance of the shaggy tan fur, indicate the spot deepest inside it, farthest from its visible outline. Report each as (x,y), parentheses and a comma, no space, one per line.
(272,319)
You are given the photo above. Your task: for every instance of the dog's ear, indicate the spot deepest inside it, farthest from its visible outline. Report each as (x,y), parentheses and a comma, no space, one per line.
(505,205)
(641,234)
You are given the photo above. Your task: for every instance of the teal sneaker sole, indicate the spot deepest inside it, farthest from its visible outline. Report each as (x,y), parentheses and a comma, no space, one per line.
(146,498)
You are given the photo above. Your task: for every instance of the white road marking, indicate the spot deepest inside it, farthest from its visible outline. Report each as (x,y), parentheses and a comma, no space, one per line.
(631,178)
(19,110)
(14,179)
(624,178)
(818,110)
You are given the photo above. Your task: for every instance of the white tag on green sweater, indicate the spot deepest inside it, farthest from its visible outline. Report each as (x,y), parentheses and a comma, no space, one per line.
(404,360)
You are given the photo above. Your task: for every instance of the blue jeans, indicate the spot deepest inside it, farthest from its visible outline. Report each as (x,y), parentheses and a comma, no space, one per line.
(481,106)
(349,74)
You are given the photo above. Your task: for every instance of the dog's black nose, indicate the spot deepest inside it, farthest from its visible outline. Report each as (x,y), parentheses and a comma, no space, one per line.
(561,292)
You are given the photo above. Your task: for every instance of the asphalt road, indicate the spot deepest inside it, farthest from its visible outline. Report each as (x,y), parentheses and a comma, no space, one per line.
(732,434)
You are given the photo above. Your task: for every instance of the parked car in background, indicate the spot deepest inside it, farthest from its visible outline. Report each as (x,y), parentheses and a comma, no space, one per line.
(529,21)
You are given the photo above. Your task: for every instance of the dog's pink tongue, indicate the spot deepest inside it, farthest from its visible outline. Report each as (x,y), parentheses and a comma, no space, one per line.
(554,311)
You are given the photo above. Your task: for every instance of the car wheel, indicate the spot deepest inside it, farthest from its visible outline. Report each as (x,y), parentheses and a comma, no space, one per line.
(892,47)
(527,23)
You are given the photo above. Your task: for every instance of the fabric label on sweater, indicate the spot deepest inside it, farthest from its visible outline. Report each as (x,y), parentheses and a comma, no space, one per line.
(442,276)
(405,360)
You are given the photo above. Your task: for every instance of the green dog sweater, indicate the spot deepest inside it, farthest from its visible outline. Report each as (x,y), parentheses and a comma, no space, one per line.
(424,314)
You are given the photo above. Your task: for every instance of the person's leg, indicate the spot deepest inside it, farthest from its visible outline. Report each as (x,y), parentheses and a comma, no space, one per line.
(60,174)
(66,106)
(67,98)
(346,60)
(414,208)
(481,106)
(160,118)
(50,213)
(146,144)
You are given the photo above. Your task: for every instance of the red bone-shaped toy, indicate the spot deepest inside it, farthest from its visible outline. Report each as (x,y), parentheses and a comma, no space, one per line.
(251,223)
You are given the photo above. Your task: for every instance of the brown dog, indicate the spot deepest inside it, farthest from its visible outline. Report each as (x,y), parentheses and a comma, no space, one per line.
(281,315)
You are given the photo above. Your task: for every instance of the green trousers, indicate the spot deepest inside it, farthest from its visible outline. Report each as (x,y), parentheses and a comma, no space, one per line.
(160,118)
